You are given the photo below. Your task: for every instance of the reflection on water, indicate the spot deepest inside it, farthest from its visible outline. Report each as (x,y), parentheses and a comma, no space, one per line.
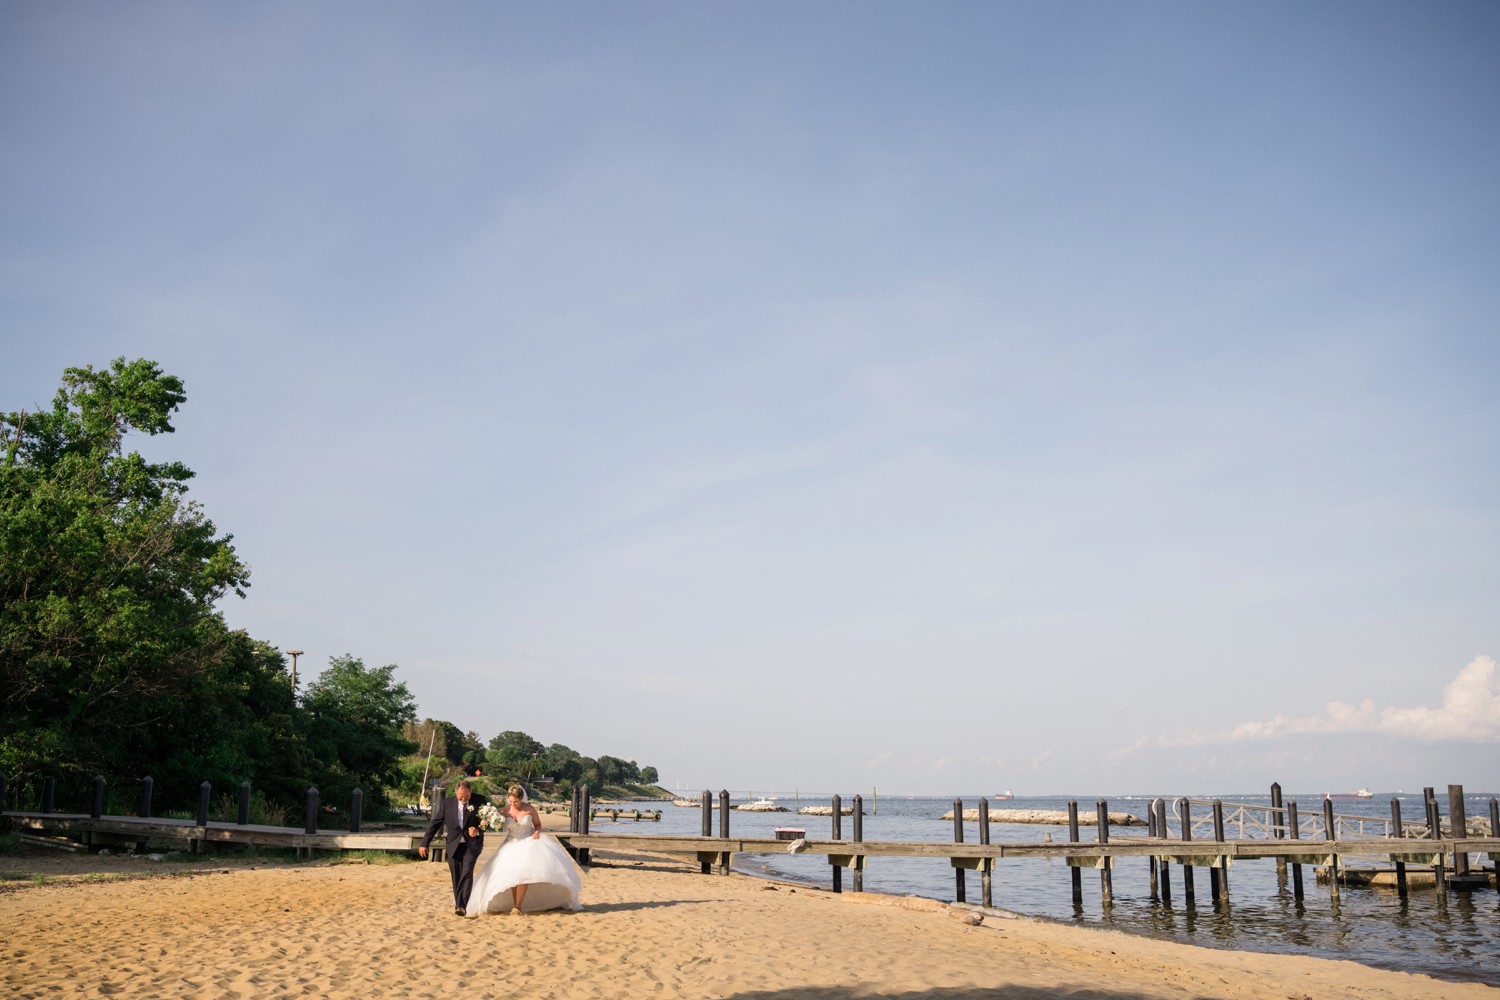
(1452,936)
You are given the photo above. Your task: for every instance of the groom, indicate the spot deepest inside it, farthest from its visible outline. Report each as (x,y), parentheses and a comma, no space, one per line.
(459,821)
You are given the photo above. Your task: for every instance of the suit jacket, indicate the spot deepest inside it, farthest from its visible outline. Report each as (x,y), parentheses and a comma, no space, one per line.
(455,825)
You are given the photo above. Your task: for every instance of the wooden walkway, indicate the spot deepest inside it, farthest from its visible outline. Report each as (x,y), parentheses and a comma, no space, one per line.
(112,831)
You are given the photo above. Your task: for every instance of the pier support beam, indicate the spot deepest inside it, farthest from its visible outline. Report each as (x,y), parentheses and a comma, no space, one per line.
(1396,831)
(1294,828)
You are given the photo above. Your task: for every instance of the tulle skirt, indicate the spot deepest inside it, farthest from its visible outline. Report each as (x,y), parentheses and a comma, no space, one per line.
(541,865)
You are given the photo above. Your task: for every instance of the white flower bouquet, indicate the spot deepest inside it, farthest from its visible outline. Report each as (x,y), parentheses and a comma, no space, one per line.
(490,817)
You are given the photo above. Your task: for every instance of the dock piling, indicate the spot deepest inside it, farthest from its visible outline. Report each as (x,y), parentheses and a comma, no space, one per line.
(1278,828)
(1459,821)
(837,829)
(96,805)
(1331,834)
(858,822)
(1294,827)
(1106,873)
(1396,831)
(1435,832)
(1221,874)
(1189,890)
(989,863)
(1073,839)
(1163,867)
(959,885)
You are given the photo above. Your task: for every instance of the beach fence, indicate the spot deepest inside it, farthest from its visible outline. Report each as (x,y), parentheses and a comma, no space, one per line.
(94,830)
(1190,834)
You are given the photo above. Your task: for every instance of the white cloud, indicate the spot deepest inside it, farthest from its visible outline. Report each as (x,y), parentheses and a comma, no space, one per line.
(1470,713)
(878,760)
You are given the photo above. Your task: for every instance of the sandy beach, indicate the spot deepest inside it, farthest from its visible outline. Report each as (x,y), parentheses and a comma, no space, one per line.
(651,926)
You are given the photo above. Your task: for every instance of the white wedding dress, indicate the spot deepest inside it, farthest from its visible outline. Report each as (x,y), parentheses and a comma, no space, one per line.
(541,864)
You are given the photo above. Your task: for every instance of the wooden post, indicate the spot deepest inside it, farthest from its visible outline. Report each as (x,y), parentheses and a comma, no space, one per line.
(958,838)
(724,858)
(1106,874)
(838,834)
(1164,833)
(1073,839)
(1152,834)
(1222,875)
(1331,834)
(708,827)
(1189,890)
(988,865)
(356,807)
(2,791)
(1435,831)
(243,819)
(310,811)
(859,836)
(585,803)
(1294,828)
(1396,831)
(205,794)
(144,810)
(96,805)
(1458,820)
(49,793)
(1278,828)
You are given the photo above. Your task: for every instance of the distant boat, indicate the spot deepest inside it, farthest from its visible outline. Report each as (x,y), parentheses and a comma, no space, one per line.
(1005,796)
(1363,793)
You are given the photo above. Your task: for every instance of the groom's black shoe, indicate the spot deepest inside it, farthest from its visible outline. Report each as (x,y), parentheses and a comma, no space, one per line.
(458,911)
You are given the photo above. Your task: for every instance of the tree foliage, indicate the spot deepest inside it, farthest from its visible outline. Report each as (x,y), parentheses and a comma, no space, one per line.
(355,719)
(114,659)
(108,580)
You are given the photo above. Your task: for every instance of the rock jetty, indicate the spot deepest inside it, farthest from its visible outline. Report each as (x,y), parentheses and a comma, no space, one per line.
(1047,817)
(825,811)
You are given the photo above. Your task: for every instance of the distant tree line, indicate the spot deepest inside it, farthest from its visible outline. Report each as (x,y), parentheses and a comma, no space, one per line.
(115,661)
(444,753)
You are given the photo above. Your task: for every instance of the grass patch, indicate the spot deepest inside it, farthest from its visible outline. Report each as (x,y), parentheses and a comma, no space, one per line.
(10,843)
(376,857)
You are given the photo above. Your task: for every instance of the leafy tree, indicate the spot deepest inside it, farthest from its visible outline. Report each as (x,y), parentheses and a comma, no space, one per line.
(563,763)
(649,776)
(512,749)
(355,718)
(108,580)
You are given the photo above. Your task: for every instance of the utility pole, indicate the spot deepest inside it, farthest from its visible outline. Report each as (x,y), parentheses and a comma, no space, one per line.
(294,653)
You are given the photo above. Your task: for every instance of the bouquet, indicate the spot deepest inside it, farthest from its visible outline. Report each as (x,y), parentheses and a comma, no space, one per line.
(490,817)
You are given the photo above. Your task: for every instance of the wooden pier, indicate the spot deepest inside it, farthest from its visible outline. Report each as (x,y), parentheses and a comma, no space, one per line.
(1276,833)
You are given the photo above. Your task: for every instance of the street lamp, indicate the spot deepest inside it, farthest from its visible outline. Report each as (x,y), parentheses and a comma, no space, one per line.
(294,653)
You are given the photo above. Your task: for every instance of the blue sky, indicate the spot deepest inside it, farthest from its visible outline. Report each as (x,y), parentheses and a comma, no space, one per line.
(1081,398)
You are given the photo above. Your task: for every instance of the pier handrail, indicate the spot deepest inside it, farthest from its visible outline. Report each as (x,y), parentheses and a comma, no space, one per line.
(1260,822)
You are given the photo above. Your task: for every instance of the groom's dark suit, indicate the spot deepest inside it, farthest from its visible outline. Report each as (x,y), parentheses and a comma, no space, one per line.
(454,819)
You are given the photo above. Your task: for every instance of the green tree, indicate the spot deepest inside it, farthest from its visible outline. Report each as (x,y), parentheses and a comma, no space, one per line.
(649,776)
(355,719)
(511,750)
(108,579)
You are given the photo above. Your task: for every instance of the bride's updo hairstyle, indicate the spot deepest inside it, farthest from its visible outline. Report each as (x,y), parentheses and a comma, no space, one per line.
(516,792)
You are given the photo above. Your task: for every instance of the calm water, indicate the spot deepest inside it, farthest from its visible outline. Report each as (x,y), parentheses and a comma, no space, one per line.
(1454,937)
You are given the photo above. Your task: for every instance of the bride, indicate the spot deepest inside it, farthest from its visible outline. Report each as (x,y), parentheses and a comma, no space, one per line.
(529,872)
